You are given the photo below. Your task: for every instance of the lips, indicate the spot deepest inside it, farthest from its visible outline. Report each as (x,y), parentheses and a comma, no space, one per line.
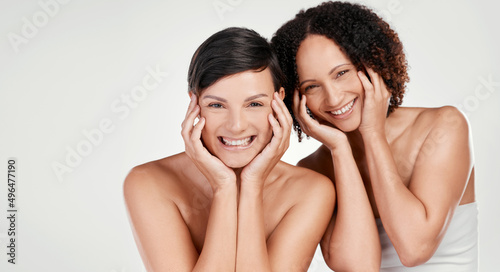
(344,109)
(243,142)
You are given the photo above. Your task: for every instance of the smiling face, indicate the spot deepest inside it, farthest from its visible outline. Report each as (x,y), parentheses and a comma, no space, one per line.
(236,109)
(330,83)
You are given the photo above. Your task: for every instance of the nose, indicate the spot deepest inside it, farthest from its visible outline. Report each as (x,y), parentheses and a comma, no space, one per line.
(333,95)
(236,122)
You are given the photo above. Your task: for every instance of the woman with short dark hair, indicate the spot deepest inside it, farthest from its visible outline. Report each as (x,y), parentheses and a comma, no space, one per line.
(228,203)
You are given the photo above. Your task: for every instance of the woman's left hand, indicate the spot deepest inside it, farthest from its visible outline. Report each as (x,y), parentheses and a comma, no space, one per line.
(256,172)
(375,105)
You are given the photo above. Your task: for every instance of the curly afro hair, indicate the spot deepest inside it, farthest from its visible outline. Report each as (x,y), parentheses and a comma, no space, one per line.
(364,37)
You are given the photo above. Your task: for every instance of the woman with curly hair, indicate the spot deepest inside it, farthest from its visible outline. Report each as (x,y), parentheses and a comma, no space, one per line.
(404,177)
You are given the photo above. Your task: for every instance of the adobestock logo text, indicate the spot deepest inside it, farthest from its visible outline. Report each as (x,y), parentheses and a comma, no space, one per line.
(31,26)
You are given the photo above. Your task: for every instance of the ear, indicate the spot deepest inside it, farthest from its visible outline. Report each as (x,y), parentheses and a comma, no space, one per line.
(281,93)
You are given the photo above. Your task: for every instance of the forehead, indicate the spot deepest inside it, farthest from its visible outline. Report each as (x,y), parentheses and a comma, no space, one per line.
(243,84)
(319,52)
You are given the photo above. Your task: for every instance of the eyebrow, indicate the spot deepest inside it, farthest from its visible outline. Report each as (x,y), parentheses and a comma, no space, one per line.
(215,98)
(329,73)
(255,97)
(225,101)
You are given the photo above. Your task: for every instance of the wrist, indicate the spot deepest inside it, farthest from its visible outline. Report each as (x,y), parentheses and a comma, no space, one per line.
(341,150)
(372,134)
(227,187)
(252,188)
(339,144)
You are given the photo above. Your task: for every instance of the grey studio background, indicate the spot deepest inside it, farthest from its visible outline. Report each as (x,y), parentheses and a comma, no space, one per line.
(90,89)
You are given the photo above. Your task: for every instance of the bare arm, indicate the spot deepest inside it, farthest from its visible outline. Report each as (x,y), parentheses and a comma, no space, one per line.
(416,217)
(292,243)
(252,252)
(351,242)
(354,236)
(162,236)
(219,249)
(160,231)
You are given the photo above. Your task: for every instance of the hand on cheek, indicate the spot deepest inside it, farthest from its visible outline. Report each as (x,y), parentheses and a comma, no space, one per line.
(216,172)
(327,135)
(375,104)
(256,172)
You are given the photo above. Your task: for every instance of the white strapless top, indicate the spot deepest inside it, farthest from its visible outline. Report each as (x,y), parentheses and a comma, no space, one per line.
(457,252)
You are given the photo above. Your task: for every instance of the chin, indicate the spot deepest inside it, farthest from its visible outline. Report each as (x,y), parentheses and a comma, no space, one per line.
(347,129)
(347,126)
(236,163)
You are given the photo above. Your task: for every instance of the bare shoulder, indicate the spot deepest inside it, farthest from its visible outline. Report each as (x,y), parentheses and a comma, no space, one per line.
(319,161)
(153,192)
(309,161)
(155,178)
(305,183)
(440,119)
(447,117)
(421,125)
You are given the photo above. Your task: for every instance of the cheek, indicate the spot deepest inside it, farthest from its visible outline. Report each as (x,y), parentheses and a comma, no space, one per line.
(210,126)
(267,129)
(354,83)
(314,101)
(261,122)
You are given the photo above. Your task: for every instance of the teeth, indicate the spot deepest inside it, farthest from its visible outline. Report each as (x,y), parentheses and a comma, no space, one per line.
(241,142)
(344,109)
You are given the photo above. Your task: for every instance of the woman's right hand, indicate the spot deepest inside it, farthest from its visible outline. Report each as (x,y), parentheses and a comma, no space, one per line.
(216,172)
(329,136)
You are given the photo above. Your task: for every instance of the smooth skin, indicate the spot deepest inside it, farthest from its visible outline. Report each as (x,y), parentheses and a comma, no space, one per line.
(224,208)
(411,169)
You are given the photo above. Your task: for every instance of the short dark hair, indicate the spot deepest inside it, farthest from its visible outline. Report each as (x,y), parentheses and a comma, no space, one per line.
(366,39)
(228,52)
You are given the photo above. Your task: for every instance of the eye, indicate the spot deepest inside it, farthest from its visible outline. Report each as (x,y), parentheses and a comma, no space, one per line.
(215,105)
(310,87)
(341,73)
(255,104)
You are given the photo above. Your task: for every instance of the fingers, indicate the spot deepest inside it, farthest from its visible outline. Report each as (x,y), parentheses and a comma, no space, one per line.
(281,125)
(192,104)
(277,138)
(376,85)
(300,110)
(187,124)
(197,129)
(367,85)
(375,78)
(191,133)
(192,107)
(296,103)
(306,122)
(193,146)
(282,114)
